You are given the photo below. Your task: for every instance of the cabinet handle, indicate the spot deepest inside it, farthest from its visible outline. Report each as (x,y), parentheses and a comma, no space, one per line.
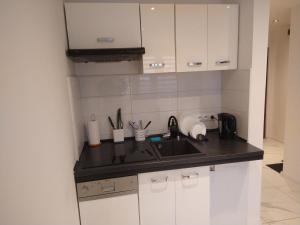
(105,39)
(194,64)
(212,168)
(190,176)
(223,62)
(159,179)
(157,65)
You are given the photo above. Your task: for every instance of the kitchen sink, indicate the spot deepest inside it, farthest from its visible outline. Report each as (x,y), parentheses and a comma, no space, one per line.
(176,148)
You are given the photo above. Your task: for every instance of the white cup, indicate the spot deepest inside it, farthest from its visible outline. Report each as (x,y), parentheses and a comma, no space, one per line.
(140,134)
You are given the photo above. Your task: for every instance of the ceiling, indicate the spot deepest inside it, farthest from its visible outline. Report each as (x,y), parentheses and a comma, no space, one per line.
(280,9)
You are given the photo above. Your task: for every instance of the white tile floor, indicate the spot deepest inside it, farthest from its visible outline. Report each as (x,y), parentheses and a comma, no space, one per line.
(280,195)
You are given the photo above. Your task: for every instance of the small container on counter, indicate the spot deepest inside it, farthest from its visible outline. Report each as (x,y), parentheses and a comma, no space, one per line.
(140,134)
(118,135)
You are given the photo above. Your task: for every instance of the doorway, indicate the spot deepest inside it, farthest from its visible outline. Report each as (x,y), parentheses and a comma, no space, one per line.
(276,89)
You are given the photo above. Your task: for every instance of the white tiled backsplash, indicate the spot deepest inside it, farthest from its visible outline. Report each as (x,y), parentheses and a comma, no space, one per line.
(152,97)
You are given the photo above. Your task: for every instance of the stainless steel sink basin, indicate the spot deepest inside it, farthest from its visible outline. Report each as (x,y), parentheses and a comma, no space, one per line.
(176,148)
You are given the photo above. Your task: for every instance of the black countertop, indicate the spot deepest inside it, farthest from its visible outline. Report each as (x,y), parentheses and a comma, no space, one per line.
(96,163)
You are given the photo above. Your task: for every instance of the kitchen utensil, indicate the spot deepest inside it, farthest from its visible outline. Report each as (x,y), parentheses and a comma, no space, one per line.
(147,125)
(141,124)
(119,119)
(133,125)
(111,122)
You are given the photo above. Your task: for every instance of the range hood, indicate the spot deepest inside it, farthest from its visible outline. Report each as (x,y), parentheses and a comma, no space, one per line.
(106,54)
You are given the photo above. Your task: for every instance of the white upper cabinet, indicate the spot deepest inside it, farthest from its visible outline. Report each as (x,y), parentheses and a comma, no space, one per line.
(158,37)
(103,25)
(192,196)
(157,198)
(191,37)
(222,36)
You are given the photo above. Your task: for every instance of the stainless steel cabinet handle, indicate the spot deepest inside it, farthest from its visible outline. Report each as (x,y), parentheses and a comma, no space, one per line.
(157,65)
(159,179)
(190,176)
(194,64)
(105,39)
(212,168)
(223,62)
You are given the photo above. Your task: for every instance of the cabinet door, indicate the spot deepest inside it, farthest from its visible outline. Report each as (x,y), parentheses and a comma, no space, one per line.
(229,193)
(192,196)
(158,37)
(110,211)
(157,198)
(222,36)
(191,37)
(103,25)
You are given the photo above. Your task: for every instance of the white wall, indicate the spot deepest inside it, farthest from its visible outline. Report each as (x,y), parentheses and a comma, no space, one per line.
(36,143)
(243,90)
(76,115)
(235,84)
(277,78)
(235,98)
(261,10)
(292,153)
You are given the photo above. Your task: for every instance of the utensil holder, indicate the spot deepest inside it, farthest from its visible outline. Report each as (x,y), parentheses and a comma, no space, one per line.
(118,135)
(140,134)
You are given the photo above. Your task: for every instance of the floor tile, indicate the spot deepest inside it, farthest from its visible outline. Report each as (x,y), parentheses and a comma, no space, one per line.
(273,151)
(280,195)
(286,222)
(270,178)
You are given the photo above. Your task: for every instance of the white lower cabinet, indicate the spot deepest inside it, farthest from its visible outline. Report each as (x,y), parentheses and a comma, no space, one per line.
(235,193)
(192,196)
(110,211)
(178,197)
(157,198)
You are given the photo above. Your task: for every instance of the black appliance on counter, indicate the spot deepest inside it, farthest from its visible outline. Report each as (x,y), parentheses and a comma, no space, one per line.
(227,125)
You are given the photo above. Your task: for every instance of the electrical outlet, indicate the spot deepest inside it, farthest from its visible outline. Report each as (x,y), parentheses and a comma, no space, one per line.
(200,117)
(206,117)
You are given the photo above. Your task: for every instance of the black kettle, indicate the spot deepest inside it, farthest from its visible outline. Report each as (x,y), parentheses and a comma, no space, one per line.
(227,125)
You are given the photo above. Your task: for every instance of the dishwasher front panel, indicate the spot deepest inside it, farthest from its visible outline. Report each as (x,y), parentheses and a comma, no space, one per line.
(118,210)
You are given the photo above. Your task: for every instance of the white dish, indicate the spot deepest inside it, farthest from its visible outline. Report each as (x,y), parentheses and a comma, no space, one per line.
(186,123)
